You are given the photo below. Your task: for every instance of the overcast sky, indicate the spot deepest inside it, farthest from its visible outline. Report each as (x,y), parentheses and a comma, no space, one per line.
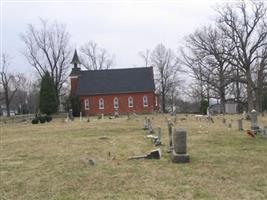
(124,28)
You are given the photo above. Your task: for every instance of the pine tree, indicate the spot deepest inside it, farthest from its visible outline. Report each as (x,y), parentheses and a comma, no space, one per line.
(48,101)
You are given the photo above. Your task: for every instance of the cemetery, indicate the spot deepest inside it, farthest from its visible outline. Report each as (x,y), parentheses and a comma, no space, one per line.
(134,156)
(133,100)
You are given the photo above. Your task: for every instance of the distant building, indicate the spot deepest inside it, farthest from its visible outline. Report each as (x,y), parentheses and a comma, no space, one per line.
(230,107)
(113,90)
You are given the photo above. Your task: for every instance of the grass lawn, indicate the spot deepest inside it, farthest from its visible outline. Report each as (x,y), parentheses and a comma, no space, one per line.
(48,161)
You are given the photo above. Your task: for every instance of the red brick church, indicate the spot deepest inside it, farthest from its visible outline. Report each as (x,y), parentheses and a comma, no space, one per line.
(113,90)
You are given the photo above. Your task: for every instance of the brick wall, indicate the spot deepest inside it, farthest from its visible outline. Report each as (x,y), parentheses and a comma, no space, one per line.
(138,106)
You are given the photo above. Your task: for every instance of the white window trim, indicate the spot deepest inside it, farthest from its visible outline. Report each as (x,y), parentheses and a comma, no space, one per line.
(86,104)
(145,101)
(101,104)
(130,101)
(116,105)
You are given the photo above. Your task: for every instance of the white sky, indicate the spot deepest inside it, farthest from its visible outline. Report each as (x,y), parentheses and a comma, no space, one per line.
(122,27)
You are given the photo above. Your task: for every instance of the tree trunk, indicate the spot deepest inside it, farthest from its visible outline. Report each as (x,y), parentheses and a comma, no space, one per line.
(238,92)
(259,90)
(163,102)
(249,91)
(222,99)
(7,102)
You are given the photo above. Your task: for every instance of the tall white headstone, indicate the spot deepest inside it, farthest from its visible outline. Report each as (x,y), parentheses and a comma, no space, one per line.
(254,120)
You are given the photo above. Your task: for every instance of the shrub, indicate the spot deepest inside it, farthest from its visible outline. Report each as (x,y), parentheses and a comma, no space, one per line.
(35,121)
(48,118)
(42,119)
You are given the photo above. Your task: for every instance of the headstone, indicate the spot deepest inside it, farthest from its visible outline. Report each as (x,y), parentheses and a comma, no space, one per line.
(154,154)
(170,136)
(116,114)
(224,121)
(254,120)
(179,151)
(240,124)
(208,112)
(244,115)
(150,129)
(71,115)
(128,116)
(265,131)
(81,116)
(175,119)
(230,125)
(145,124)
(102,116)
(67,119)
(157,140)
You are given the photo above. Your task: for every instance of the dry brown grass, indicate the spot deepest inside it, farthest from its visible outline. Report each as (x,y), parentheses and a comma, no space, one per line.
(47,161)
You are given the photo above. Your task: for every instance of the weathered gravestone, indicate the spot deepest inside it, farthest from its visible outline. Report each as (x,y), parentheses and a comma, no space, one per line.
(150,129)
(179,151)
(71,115)
(154,154)
(81,116)
(254,120)
(265,131)
(116,114)
(170,136)
(145,124)
(157,140)
(240,124)
(224,121)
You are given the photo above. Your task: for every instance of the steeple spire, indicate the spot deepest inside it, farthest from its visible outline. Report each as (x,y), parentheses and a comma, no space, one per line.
(75,59)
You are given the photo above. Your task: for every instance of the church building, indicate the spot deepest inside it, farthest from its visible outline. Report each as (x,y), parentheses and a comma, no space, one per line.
(124,90)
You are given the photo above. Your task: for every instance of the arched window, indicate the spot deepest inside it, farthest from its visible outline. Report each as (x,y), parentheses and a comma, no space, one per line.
(116,103)
(145,101)
(86,104)
(101,103)
(130,102)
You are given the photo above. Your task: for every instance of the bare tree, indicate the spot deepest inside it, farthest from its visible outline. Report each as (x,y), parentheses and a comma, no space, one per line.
(10,82)
(208,59)
(47,49)
(145,55)
(261,76)
(245,26)
(167,67)
(95,58)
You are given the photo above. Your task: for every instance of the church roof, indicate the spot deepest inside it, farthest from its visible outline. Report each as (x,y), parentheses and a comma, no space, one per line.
(75,58)
(110,81)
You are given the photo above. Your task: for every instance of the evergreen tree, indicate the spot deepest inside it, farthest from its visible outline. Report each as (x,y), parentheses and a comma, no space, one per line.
(48,100)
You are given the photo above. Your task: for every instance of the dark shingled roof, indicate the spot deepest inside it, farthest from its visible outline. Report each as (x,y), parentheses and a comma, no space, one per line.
(115,81)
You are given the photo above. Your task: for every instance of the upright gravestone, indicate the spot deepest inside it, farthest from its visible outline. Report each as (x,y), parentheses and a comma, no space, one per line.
(265,131)
(145,124)
(157,140)
(208,112)
(224,121)
(170,136)
(179,151)
(254,120)
(150,129)
(240,124)
(71,115)
(81,116)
